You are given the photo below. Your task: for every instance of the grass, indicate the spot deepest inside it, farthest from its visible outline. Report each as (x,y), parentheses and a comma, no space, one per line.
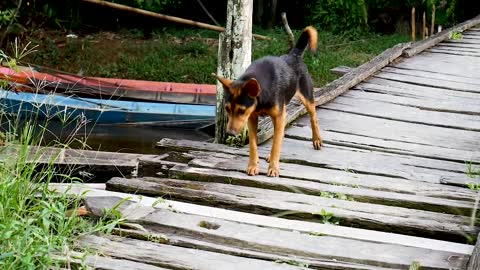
(35,222)
(190,55)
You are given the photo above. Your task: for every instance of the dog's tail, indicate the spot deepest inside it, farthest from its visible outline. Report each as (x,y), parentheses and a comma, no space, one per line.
(308,37)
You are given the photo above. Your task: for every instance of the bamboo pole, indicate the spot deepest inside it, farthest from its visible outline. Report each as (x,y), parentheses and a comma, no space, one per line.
(432,26)
(291,38)
(164,17)
(424,26)
(413,25)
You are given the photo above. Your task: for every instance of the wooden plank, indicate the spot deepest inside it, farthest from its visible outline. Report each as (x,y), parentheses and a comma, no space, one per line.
(390,136)
(405,113)
(459,46)
(334,89)
(88,164)
(440,66)
(462,41)
(171,256)
(98,262)
(340,70)
(439,105)
(271,242)
(457,86)
(211,174)
(474,262)
(450,52)
(362,162)
(395,88)
(440,77)
(176,240)
(342,178)
(305,207)
(273,222)
(439,37)
(455,49)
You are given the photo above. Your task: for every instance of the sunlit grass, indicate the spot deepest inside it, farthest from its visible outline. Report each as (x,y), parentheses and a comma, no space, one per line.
(190,55)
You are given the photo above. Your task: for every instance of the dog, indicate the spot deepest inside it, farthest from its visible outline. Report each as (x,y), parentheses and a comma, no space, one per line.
(265,88)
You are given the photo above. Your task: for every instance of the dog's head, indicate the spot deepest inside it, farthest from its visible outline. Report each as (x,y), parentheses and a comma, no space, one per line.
(240,101)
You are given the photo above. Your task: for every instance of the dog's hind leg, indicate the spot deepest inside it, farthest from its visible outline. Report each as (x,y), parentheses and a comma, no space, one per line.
(310,106)
(252,168)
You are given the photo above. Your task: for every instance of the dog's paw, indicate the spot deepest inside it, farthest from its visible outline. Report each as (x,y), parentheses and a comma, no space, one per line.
(317,143)
(252,169)
(273,171)
(267,158)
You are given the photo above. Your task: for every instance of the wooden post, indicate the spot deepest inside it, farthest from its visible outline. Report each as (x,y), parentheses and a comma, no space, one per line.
(424,26)
(234,54)
(414,34)
(432,26)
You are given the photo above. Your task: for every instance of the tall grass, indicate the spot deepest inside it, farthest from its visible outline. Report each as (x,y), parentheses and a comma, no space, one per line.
(35,222)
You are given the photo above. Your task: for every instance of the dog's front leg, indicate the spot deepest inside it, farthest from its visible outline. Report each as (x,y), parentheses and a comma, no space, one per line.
(279,129)
(252,168)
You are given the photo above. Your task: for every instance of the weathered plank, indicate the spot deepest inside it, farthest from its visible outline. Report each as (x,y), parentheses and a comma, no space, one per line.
(345,178)
(89,165)
(233,177)
(402,89)
(441,78)
(438,105)
(346,159)
(335,88)
(270,242)
(459,46)
(474,262)
(433,40)
(340,70)
(172,257)
(456,48)
(448,64)
(452,52)
(405,112)
(273,222)
(457,86)
(301,206)
(390,136)
(98,262)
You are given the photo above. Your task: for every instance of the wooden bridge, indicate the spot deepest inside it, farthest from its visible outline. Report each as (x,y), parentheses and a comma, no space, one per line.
(389,190)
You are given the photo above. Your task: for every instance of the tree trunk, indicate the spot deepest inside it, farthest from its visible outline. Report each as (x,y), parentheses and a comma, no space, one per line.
(234,54)
(273,14)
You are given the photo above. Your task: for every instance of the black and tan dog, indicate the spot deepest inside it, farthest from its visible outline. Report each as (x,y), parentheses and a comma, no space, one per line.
(265,88)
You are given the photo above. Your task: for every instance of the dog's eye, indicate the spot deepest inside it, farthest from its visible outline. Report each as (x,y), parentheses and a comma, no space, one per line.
(241,111)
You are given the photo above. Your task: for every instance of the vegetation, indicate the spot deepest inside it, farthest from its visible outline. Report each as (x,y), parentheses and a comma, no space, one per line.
(35,222)
(190,55)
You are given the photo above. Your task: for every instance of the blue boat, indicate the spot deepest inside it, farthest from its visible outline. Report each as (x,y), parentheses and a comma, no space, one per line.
(104,111)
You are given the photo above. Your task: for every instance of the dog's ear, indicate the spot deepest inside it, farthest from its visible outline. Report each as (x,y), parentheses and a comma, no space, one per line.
(225,82)
(252,88)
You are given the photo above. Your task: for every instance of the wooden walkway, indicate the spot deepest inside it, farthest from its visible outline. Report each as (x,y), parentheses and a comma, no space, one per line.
(388,189)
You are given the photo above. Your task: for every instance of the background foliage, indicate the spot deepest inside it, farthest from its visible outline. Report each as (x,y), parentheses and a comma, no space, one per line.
(331,15)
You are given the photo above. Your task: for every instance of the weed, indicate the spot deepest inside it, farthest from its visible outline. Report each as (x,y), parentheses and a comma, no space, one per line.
(327,217)
(455,35)
(294,263)
(332,195)
(316,234)
(415,266)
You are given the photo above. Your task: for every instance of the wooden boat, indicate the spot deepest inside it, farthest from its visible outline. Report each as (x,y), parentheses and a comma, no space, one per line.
(103,111)
(27,79)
